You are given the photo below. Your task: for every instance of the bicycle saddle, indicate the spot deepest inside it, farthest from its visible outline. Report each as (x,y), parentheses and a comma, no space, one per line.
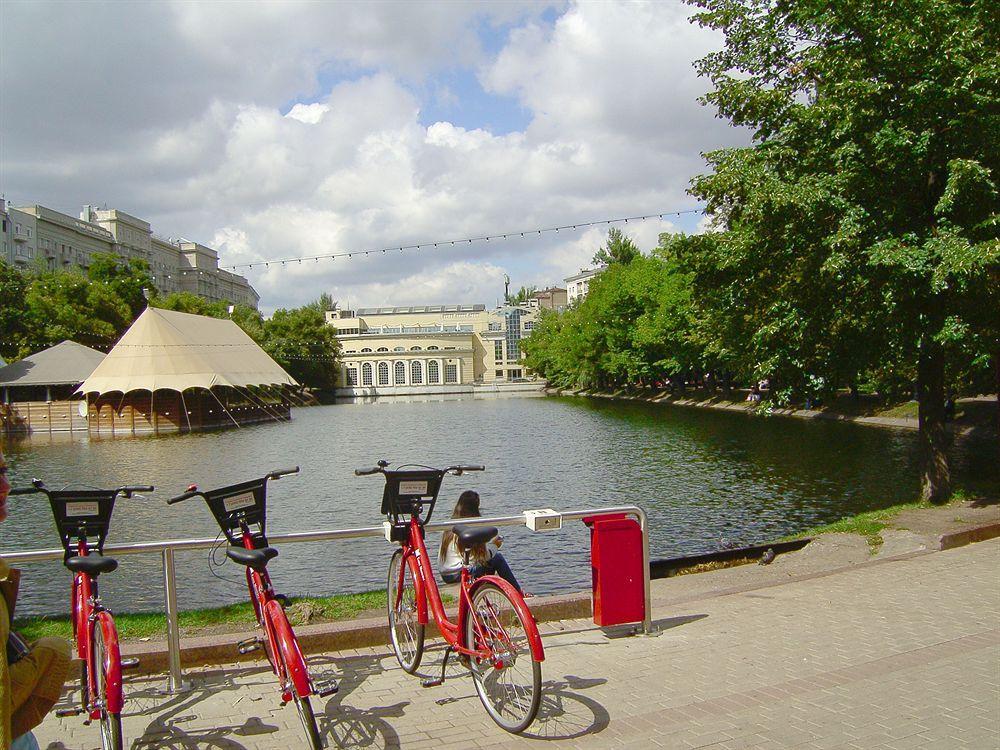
(253,558)
(92,564)
(469,536)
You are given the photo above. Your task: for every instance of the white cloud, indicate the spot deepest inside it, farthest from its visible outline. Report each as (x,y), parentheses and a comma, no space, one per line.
(213,122)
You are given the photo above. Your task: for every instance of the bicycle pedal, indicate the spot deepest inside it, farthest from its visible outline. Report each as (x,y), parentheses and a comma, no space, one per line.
(328,687)
(250,644)
(431,682)
(130,663)
(63,713)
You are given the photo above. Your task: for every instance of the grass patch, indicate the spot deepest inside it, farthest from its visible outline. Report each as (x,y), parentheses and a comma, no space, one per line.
(231,618)
(869,525)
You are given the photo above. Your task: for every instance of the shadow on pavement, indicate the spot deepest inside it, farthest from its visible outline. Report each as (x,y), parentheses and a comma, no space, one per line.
(344,726)
(565,713)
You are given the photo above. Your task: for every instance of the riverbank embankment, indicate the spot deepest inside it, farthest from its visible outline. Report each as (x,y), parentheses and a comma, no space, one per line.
(970,413)
(902,532)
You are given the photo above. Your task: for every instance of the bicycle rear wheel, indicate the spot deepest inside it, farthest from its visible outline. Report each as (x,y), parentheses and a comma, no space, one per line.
(111,723)
(509,682)
(406,631)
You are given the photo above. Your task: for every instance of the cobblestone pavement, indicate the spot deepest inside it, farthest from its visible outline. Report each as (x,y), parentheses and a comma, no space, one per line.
(900,653)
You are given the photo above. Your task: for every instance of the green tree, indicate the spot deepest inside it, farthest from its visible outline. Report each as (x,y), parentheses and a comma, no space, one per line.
(13,314)
(618,249)
(522,296)
(862,222)
(64,305)
(302,343)
(191,303)
(126,277)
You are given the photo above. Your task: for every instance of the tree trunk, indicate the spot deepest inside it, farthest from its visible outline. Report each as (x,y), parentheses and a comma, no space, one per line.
(935,475)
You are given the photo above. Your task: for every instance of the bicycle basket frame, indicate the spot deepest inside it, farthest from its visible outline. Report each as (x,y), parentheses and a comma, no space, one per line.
(246,501)
(404,486)
(82,514)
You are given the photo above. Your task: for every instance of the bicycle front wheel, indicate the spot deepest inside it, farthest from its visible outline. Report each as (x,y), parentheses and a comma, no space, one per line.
(509,680)
(405,629)
(304,707)
(111,723)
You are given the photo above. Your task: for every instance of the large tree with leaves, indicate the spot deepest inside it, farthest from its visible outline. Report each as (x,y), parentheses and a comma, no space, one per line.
(862,222)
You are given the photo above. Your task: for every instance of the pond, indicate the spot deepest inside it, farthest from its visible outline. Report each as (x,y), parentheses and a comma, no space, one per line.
(706,478)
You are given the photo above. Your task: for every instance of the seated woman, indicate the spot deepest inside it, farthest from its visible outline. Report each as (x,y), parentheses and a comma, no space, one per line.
(30,684)
(484,559)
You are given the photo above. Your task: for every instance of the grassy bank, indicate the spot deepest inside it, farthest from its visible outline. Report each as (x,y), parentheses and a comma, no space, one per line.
(231,618)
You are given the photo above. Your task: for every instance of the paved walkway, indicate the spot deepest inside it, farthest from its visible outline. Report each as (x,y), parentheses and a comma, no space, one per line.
(897,653)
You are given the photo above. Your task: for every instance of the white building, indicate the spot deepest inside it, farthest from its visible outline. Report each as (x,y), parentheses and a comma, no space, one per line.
(578,285)
(36,236)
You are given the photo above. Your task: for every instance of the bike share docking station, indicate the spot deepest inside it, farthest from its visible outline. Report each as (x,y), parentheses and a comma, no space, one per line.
(544,520)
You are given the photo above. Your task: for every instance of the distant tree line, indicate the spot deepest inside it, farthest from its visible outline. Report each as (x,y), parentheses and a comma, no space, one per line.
(40,308)
(859,241)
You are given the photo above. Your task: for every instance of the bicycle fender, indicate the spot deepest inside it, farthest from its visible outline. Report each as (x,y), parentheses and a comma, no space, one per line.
(115,696)
(530,626)
(295,663)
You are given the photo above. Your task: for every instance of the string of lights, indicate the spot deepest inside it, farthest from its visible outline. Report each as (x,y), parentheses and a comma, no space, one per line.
(463,241)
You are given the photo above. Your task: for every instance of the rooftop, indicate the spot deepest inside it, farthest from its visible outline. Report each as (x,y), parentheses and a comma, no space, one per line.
(420,309)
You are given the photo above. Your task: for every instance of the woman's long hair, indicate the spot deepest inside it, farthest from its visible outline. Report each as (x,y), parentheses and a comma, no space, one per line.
(466,507)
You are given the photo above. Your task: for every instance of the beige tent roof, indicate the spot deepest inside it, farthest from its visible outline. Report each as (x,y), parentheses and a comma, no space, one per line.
(177,351)
(67,363)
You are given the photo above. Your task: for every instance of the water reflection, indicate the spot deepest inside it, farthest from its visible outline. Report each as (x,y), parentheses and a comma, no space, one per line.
(703,476)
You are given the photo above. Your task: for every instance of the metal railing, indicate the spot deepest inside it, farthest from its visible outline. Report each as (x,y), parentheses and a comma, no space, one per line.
(167,549)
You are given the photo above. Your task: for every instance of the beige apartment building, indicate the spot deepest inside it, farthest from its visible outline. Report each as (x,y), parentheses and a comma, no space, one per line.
(434,348)
(38,236)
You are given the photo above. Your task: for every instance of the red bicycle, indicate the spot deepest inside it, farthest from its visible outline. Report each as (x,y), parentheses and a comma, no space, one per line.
(83,516)
(241,512)
(495,634)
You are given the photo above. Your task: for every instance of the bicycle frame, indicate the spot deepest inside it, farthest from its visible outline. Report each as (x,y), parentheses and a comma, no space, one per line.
(272,619)
(86,607)
(426,588)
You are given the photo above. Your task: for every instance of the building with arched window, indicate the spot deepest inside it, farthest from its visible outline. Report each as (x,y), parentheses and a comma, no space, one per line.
(430,349)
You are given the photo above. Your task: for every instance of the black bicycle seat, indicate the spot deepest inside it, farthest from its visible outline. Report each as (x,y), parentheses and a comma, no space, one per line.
(253,558)
(92,564)
(472,535)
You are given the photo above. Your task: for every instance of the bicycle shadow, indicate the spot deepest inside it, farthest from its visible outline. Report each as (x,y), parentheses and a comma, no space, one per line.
(345,726)
(565,714)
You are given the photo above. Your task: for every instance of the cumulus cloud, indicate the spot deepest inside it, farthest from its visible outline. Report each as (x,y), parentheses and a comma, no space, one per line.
(284,131)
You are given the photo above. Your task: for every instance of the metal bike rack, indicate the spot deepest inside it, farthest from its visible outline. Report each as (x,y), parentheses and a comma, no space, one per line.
(167,549)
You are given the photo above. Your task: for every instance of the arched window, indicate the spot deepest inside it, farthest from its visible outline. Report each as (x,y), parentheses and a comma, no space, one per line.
(399,349)
(416,372)
(415,349)
(383,373)
(432,348)
(366,373)
(433,372)
(382,349)
(365,350)
(400,373)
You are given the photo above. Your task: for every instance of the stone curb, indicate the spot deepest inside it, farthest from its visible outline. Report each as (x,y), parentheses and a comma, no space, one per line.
(320,638)
(968,536)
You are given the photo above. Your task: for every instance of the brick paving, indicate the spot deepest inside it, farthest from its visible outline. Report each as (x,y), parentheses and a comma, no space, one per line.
(894,654)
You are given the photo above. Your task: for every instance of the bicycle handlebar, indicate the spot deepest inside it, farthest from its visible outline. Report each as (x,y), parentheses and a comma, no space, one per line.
(457,470)
(39,486)
(278,473)
(183,496)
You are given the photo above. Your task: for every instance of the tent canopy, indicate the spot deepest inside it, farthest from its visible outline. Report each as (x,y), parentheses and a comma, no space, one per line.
(177,351)
(67,363)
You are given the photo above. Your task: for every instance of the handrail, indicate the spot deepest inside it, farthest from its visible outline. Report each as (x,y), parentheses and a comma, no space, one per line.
(170,547)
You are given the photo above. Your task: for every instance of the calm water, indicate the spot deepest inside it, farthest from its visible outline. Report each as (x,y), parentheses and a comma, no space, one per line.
(705,478)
